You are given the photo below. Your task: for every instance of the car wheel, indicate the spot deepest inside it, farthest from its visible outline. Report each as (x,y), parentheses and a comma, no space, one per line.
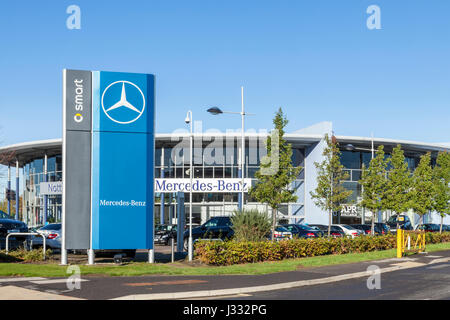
(186,244)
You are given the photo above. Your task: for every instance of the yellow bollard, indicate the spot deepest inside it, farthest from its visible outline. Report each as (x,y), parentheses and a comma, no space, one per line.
(399,243)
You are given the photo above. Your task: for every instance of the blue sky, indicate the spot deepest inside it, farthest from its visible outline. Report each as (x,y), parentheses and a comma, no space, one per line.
(316,59)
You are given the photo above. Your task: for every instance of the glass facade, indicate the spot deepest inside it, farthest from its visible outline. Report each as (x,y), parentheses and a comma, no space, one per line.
(171,161)
(33,201)
(353,162)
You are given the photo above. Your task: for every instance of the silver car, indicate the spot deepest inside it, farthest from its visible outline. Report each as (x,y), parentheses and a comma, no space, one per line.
(52,233)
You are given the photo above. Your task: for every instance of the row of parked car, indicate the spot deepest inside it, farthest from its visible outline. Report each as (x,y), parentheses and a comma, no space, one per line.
(221,228)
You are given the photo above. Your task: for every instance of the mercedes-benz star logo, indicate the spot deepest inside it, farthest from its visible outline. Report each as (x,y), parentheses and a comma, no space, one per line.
(134,109)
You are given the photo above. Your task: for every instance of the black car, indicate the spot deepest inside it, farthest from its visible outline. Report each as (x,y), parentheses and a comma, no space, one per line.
(399,221)
(214,228)
(10,226)
(429,227)
(335,232)
(165,232)
(302,231)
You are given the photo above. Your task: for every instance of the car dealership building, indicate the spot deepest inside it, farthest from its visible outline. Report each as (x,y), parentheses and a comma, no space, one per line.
(216,172)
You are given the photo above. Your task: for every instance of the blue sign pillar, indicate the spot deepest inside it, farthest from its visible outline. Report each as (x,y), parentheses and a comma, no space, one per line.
(122,160)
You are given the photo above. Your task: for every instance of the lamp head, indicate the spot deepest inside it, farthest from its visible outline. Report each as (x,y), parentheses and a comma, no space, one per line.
(350,147)
(215,110)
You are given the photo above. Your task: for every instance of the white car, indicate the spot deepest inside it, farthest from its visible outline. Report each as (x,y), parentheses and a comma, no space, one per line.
(349,230)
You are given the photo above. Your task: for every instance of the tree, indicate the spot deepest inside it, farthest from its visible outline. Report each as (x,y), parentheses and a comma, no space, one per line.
(374,183)
(330,192)
(441,181)
(422,189)
(398,183)
(276,172)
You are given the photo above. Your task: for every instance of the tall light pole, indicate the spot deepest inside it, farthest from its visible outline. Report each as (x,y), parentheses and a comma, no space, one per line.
(189,121)
(216,111)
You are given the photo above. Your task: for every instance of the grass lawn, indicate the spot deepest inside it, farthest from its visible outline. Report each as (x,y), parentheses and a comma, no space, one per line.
(138,269)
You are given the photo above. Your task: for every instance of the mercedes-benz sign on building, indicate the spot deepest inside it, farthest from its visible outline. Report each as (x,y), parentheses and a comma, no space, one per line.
(216,168)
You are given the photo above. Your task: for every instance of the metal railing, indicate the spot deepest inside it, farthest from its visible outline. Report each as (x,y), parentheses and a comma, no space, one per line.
(44,246)
(404,239)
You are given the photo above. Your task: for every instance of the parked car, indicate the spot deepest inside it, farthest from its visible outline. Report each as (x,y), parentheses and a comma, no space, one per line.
(302,231)
(399,221)
(164,232)
(214,228)
(429,227)
(384,227)
(335,232)
(349,230)
(445,228)
(11,226)
(367,228)
(52,233)
(280,233)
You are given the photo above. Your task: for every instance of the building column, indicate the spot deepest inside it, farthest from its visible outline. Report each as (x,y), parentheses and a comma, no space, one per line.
(45,196)
(161,213)
(9,191)
(17,190)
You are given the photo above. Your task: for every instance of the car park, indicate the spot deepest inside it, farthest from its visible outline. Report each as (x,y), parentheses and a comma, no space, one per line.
(302,231)
(349,230)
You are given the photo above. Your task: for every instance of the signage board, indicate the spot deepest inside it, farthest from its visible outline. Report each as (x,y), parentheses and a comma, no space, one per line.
(226,185)
(50,188)
(108,144)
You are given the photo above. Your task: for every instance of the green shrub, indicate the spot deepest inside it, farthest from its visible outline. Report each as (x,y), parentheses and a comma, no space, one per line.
(22,255)
(235,252)
(250,225)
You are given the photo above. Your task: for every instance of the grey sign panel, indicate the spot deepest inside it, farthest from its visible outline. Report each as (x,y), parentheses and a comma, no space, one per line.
(78,189)
(78,100)
(77,158)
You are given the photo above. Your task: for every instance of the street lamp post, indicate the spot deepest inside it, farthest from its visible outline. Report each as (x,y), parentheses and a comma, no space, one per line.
(189,121)
(216,111)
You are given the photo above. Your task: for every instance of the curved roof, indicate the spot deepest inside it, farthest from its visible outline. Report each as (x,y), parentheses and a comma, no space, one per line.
(27,151)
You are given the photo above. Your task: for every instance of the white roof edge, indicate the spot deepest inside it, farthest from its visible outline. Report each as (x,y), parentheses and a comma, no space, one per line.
(395,141)
(55,142)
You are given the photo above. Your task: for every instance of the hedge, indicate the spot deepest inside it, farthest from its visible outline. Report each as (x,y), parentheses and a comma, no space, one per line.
(232,252)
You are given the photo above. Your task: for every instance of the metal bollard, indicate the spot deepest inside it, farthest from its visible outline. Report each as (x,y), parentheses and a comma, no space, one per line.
(173,249)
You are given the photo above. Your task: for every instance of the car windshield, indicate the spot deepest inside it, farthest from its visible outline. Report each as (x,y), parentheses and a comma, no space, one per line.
(304,227)
(52,226)
(348,227)
(281,229)
(215,222)
(291,228)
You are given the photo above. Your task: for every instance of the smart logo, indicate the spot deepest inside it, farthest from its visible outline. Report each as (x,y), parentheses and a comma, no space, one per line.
(123,102)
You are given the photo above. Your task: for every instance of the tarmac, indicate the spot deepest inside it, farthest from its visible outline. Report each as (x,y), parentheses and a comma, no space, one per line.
(157,287)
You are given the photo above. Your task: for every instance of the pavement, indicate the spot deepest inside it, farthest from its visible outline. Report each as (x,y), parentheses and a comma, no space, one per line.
(155,287)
